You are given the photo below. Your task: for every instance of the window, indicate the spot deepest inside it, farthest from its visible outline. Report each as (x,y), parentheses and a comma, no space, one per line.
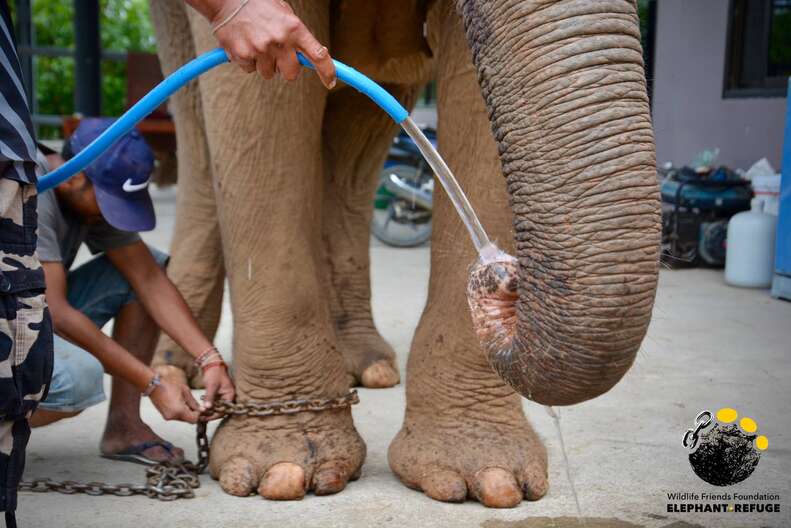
(759,48)
(646,9)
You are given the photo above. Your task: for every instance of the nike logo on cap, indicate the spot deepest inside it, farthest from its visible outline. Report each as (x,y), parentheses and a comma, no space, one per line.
(134,187)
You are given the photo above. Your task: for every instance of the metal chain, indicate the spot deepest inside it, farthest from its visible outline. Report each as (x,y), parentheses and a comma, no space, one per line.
(167,481)
(690,440)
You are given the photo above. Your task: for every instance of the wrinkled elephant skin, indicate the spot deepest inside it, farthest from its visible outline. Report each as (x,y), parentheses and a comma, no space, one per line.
(544,119)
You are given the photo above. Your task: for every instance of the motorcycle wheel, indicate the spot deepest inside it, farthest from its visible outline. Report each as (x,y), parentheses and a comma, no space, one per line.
(383,225)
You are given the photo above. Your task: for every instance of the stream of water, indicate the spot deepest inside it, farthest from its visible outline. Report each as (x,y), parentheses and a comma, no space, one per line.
(556,418)
(480,239)
(486,250)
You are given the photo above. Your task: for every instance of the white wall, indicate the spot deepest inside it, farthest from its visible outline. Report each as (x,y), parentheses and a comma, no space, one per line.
(689,112)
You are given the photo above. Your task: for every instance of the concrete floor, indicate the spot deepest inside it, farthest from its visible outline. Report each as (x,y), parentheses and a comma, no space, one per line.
(709,346)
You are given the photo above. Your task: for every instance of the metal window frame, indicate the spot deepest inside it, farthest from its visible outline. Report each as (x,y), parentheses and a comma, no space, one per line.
(87,54)
(735,51)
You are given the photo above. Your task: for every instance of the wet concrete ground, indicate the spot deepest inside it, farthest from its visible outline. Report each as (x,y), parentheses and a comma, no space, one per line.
(709,346)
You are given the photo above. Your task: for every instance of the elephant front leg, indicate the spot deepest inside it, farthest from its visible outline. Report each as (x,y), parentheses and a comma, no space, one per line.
(196,263)
(464,434)
(265,145)
(357,137)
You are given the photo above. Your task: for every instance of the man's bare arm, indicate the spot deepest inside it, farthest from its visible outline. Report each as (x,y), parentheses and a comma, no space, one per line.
(73,325)
(167,308)
(159,296)
(173,402)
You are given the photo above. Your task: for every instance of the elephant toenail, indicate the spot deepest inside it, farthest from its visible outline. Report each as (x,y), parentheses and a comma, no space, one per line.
(444,485)
(328,481)
(237,477)
(534,487)
(283,481)
(379,375)
(496,487)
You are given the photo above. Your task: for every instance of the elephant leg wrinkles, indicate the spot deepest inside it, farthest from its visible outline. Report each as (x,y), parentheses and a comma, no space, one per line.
(269,186)
(196,266)
(357,136)
(464,433)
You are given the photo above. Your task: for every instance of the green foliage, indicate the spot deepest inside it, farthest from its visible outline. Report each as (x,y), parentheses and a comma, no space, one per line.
(642,11)
(124,26)
(780,43)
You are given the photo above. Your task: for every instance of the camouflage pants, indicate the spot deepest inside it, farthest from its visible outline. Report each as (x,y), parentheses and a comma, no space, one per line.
(25,332)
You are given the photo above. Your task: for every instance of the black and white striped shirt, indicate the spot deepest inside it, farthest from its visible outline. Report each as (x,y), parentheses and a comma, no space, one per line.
(25,324)
(20,269)
(17,146)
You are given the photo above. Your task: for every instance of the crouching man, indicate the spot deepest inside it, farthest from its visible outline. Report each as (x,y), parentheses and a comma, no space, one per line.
(104,207)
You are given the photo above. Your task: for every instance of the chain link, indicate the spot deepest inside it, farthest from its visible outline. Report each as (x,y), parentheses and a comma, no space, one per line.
(262,410)
(691,437)
(167,481)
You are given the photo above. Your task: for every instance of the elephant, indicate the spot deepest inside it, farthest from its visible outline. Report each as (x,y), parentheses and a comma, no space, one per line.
(544,118)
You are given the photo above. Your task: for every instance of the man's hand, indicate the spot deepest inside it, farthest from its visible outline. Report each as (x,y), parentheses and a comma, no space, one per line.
(174,401)
(218,387)
(265,35)
(167,308)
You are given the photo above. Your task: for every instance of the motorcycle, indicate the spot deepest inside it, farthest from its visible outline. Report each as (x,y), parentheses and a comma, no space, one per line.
(404,197)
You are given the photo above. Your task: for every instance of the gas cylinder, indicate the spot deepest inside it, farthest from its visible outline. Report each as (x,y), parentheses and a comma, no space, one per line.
(750,250)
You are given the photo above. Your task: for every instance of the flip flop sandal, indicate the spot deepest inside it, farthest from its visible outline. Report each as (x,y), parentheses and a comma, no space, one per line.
(135,455)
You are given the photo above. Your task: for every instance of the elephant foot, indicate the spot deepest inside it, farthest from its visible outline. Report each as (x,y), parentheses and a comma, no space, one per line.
(175,374)
(172,374)
(175,365)
(370,360)
(284,457)
(496,464)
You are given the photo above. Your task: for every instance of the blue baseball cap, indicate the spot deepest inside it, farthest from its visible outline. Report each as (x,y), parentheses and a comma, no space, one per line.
(120,176)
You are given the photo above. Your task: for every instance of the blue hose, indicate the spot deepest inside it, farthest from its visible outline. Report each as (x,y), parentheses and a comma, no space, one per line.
(179,78)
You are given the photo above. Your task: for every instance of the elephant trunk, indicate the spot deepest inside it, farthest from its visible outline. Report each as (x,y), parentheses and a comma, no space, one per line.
(564,85)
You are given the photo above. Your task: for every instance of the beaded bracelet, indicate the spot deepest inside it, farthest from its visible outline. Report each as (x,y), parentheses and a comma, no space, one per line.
(208,354)
(206,367)
(214,358)
(155,382)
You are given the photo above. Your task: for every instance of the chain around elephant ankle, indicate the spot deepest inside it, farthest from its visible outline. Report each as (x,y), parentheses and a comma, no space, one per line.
(168,482)
(264,409)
